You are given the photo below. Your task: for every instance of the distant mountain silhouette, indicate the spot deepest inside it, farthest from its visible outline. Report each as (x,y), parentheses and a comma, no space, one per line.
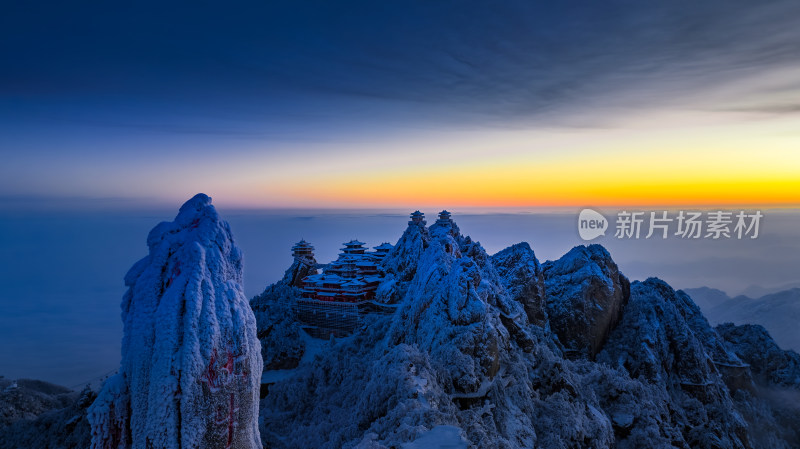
(778,312)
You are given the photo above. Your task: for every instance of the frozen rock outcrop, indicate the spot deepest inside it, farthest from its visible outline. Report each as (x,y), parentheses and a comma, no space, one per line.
(278,328)
(523,278)
(191,362)
(400,265)
(773,406)
(304,264)
(769,364)
(655,343)
(586,294)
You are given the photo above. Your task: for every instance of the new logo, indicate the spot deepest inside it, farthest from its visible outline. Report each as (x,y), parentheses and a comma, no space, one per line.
(591,224)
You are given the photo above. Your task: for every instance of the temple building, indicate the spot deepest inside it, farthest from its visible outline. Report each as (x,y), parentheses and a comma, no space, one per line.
(302,250)
(417,218)
(382,250)
(332,301)
(444,217)
(352,278)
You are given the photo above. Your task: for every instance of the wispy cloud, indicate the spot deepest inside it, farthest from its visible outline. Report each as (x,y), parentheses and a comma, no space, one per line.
(467,61)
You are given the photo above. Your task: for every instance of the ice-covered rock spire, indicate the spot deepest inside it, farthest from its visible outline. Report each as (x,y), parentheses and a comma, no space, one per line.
(191,362)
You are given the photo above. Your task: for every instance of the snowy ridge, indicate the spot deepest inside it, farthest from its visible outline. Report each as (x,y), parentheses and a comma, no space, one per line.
(191,362)
(505,352)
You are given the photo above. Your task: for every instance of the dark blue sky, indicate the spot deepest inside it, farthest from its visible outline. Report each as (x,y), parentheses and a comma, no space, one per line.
(108,63)
(102,99)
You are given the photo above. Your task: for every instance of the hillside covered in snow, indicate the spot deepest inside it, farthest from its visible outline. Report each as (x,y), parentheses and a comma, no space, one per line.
(502,351)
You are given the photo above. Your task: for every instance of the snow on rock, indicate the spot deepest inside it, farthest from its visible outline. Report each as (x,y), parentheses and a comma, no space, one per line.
(440,437)
(586,294)
(770,364)
(60,428)
(400,265)
(27,399)
(448,302)
(712,342)
(278,331)
(191,363)
(773,406)
(282,345)
(654,343)
(734,371)
(522,276)
(300,268)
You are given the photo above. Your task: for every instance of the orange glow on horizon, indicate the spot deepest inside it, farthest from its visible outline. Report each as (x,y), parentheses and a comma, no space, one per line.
(659,161)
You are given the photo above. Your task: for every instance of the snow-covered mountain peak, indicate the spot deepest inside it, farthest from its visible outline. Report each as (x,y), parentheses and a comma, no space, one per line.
(191,361)
(586,294)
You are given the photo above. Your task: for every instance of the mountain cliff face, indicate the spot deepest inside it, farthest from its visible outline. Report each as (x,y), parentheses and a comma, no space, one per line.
(772,406)
(654,342)
(504,352)
(279,333)
(769,364)
(191,363)
(400,265)
(523,278)
(585,296)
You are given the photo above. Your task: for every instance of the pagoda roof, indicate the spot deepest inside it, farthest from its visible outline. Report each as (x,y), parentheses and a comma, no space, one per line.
(384,245)
(353,282)
(354,243)
(302,244)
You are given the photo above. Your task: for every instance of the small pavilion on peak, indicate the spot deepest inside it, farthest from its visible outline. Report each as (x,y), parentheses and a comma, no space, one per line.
(417,218)
(444,217)
(302,249)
